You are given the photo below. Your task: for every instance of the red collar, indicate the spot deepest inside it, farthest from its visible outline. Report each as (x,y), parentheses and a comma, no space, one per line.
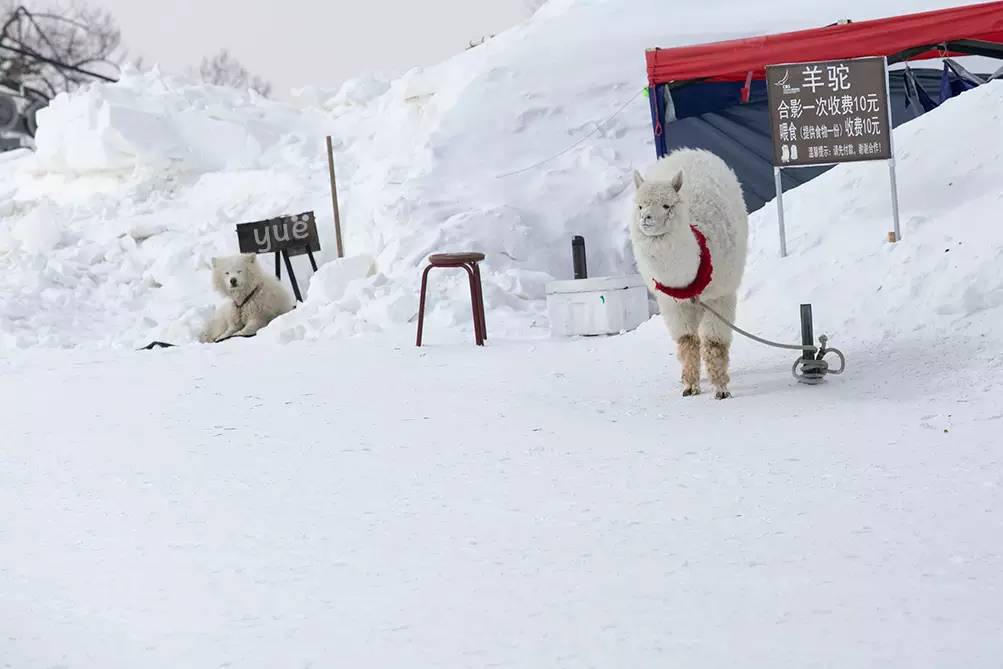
(704,273)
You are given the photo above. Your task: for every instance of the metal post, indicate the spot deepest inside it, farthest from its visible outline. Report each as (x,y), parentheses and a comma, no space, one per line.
(578,257)
(891,161)
(895,197)
(780,212)
(807,331)
(292,276)
(334,197)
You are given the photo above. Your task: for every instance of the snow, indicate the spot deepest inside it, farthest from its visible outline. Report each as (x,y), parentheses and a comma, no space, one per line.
(947,266)
(361,503)
(326,494)
(144,180)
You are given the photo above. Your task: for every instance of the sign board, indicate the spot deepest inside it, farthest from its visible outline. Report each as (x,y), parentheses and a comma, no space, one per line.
(295,235)
(829,112)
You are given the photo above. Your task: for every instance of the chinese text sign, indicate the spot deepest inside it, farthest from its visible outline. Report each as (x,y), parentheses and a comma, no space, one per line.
(829,112)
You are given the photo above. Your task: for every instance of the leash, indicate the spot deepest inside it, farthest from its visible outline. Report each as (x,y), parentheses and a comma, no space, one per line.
(160,344)
(155,344)
(248,298)
(810,368)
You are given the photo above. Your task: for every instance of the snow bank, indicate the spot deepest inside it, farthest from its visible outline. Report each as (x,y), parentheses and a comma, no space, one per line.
(106,233)
(165,123)
(946,268)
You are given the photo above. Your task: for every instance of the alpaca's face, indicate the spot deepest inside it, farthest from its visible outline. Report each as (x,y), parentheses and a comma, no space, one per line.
(658,209)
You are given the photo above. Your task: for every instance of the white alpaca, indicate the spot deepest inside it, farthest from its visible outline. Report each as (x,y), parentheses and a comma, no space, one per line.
(692,188)
(256,298)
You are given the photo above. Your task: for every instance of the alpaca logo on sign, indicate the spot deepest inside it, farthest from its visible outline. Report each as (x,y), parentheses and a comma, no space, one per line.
(784,83)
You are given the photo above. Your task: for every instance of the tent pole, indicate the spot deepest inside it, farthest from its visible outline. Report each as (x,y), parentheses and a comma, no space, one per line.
(657,113)
(780,212)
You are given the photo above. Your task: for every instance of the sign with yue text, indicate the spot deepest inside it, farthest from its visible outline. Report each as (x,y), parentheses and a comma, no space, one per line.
(293,234)
(829,112)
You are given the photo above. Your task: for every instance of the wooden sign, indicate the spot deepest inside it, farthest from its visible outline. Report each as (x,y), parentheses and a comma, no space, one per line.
(829,112)
(295,235)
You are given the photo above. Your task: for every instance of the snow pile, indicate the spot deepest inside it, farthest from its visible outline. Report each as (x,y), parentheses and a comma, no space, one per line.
(106,233)
(945,269)
(165,123)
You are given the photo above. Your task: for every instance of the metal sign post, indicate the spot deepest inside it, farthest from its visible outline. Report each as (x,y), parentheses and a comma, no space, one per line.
(780,211)
(892,180)
(830,112)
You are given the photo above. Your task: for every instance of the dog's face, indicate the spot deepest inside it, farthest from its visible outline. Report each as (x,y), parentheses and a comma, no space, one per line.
(234,273)
(657,205)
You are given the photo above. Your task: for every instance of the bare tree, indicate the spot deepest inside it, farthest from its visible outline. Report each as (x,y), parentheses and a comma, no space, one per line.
(475,43)
(55,50)
(225,70)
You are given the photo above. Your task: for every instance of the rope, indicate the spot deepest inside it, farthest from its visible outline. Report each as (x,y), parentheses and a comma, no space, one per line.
(805,370)
(598,127)
(791,347)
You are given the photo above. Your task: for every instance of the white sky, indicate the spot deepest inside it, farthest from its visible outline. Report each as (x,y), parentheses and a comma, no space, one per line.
(293,43)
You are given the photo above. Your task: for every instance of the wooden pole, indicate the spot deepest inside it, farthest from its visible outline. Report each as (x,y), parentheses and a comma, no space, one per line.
(334,197)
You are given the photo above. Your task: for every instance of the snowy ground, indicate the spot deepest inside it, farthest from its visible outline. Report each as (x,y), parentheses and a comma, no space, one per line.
(552,504)
(326,495)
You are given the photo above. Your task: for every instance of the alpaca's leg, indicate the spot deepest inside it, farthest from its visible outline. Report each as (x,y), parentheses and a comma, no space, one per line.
(688,351)
(683,320)
(715,356)
(715,338)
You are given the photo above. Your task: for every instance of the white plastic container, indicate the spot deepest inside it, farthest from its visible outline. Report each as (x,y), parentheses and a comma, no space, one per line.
(598,306)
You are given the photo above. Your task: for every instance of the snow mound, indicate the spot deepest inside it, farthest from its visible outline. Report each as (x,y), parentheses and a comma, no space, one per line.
(164,123)
(945,269)
(107,231)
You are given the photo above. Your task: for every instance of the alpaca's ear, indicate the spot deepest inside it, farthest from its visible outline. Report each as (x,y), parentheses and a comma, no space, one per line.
(638,179)
(677,181)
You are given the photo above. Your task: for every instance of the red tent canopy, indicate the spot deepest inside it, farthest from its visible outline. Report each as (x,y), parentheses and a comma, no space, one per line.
(734,59)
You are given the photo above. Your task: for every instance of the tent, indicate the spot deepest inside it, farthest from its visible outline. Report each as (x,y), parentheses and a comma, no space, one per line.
(713,96)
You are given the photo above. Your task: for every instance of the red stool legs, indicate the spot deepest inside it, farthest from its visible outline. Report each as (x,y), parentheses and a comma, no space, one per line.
(421,303)
(480,301)
(469,264)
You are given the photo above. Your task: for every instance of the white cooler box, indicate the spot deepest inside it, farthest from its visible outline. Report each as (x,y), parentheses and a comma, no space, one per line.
(599,306)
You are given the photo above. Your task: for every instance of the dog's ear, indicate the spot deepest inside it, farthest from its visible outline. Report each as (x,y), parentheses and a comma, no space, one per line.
(638,179)
(677,181)
(249,259)
(215,262)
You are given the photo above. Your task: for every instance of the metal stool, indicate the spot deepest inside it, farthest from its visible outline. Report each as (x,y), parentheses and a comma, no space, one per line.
(468,261)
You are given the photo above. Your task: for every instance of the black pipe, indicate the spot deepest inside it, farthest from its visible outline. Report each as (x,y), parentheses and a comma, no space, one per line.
(807,331)
(578,257)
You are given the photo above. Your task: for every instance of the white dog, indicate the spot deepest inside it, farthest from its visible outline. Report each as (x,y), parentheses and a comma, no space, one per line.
(690,234)
(255,298)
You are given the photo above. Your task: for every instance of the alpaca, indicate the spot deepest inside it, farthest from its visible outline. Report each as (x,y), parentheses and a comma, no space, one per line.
(689,233)
(255,298)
